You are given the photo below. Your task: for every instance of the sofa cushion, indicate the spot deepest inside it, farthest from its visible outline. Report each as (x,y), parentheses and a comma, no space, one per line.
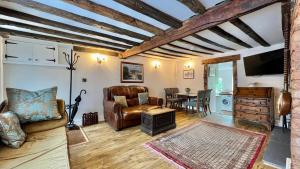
(11,133)
(121,100)
(129,91)
(47,149)
(143,98)
(131,113)
(33,106)
(132,102)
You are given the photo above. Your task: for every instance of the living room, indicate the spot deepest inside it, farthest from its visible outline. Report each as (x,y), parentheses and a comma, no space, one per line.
(166,46)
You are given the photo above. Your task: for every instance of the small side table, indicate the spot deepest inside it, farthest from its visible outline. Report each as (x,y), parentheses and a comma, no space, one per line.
(158,120)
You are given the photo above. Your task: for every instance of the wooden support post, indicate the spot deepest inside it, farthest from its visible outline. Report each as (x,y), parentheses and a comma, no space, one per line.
(295,85)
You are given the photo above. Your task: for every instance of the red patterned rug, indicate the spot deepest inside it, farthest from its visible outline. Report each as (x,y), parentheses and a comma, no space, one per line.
(206,145)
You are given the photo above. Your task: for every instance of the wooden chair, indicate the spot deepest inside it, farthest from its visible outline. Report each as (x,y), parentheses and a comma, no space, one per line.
(207,100)
(198,103)
(171,97)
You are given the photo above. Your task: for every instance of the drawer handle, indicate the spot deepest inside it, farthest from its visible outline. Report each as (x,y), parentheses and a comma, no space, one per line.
(8,56)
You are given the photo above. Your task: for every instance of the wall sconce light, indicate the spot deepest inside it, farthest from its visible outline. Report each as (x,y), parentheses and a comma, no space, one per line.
(188,65)
(100,58)
(156,64)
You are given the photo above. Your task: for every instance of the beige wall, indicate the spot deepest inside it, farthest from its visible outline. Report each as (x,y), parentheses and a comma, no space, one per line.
(98,76)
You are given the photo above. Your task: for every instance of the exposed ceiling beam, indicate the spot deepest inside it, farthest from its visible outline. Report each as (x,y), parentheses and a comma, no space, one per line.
(210,42)
(60,33)
(152,12)
(221,59)
(78,18)
(198,46)
(32,18)
(212,17)
(114,14)
(146,55)
(219,31)
(249,31)
(183,48)
(163,54)
(194,5)
(93,50)
(175,51)
(166,53)
(56,39)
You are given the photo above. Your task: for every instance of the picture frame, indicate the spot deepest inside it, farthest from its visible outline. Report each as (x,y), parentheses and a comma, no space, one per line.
(132,72)
(188,74)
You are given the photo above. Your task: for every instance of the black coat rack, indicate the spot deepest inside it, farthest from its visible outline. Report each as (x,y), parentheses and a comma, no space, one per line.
(72,108)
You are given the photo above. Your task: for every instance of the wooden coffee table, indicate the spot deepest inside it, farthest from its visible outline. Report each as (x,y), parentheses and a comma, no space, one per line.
(158,120)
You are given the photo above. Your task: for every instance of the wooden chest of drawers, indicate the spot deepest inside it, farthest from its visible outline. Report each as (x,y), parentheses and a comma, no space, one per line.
(255,104)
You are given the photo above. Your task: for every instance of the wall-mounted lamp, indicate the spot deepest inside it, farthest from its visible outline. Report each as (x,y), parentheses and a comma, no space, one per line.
(188,65)
(156,64)
(100,58)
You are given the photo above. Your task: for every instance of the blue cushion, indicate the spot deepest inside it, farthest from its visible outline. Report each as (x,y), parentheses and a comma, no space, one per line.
(143,98)
(33,106)
(10,130)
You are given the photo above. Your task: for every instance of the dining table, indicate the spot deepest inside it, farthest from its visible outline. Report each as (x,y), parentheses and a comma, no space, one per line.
(188,96)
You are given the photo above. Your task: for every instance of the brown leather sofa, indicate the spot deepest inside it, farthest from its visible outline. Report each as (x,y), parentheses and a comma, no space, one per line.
(119,117)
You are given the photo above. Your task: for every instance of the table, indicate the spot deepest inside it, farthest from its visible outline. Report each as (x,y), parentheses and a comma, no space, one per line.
(158,120)
(189,96)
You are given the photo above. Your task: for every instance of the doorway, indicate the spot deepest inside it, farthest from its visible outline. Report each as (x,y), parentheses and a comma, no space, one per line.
(220,80)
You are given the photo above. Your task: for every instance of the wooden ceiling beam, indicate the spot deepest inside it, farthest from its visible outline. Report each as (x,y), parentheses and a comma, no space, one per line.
(191,50)
(249,31)
(199,46)
(152,12)
(93,50)
(195,5)
(210,42)
(78,18)
(212,17)
(59,33)
(145,55)
(35,19)
(116,15)
(219,31)
(163,54)
(56,39)
(166,53)
(175,51)
(221,59)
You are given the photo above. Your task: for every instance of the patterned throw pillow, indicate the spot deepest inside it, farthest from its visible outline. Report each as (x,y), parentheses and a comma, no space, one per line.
(121,100)
(143,98)
(33,106)
(10,130)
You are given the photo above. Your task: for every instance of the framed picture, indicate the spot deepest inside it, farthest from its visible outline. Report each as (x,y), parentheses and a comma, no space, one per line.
(188,74)
(132,72)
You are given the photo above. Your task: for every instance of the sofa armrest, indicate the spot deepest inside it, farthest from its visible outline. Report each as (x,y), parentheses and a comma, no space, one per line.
(111,106)
(156,101)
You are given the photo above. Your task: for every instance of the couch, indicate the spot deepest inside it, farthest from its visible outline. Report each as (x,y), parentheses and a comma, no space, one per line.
(45,146)
(119,117)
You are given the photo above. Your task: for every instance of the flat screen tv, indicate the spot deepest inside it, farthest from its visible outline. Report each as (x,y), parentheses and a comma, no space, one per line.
(269,63)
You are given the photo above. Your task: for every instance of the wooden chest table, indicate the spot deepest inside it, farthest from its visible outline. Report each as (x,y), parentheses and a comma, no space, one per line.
(158,120)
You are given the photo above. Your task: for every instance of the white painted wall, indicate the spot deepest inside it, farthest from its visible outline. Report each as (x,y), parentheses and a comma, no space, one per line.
(98,76)
(1,68)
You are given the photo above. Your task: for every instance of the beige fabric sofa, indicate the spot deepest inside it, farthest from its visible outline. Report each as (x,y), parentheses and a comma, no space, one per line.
(45,146)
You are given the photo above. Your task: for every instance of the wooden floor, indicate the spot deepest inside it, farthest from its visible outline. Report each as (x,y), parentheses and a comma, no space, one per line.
(124,149)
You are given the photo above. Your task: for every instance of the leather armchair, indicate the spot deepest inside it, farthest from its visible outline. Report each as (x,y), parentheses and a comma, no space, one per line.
(119,117)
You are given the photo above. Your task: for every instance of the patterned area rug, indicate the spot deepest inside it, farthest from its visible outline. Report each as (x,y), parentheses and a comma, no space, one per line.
(207,145)
(76,137)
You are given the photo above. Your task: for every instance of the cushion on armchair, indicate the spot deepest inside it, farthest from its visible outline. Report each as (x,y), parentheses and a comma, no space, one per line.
(11,133)
(33,106)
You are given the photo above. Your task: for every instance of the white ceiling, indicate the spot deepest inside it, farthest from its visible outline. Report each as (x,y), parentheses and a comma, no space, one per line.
(266,22)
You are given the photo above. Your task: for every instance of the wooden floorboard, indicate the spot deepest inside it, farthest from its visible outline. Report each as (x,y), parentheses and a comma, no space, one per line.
(124,149)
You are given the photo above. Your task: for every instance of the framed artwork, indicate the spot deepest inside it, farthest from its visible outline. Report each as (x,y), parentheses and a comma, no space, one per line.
(188,74)
(132,72)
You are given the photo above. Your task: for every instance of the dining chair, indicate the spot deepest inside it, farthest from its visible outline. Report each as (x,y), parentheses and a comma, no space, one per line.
(172,99)
(199,103)
(207,100)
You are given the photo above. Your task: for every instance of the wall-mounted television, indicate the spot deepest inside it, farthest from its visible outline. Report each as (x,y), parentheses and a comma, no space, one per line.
(268,63)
